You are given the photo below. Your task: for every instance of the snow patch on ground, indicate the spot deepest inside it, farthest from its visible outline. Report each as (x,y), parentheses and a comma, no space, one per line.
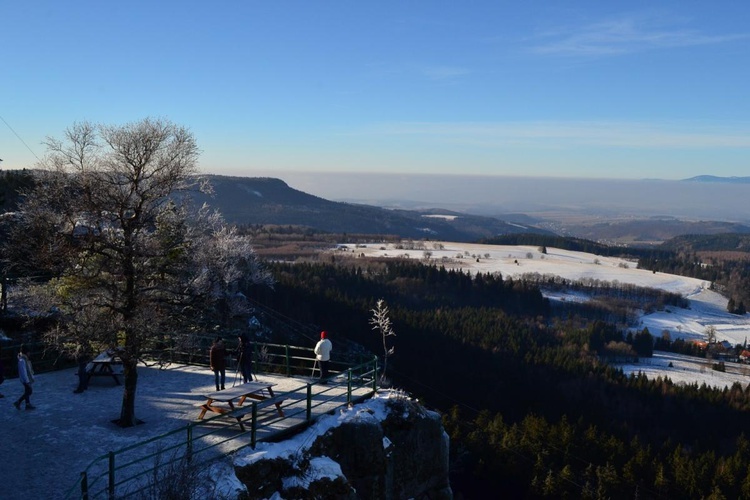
(683,370)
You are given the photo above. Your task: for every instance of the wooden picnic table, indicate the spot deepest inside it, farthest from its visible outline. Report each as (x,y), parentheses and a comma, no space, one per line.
(253,390)
(103,365)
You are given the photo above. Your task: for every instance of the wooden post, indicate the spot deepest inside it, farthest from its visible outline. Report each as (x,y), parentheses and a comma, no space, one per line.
(189,453)
(286,356)
(254,425)
(84,486)
(308,415)
(111,475)
(348,386)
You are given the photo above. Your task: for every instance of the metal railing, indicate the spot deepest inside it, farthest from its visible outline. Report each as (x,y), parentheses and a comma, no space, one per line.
(132,471)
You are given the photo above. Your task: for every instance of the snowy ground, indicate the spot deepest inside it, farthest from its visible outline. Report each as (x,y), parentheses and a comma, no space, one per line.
(706,307)
(66,431)
(689,370)
(46,449)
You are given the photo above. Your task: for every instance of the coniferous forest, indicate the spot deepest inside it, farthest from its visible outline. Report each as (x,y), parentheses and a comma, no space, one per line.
(531,408)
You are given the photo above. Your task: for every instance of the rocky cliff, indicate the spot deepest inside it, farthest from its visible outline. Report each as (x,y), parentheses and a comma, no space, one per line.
(389,447)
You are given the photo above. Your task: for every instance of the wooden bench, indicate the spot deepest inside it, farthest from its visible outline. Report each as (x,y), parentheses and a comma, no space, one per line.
(253,390)
(103,366)
(242,411)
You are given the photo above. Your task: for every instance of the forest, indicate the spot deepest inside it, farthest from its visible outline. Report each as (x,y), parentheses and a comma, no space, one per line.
(531,407)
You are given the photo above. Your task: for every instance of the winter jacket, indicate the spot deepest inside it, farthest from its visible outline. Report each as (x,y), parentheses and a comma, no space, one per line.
(218,356)
(25,370)
(323,350)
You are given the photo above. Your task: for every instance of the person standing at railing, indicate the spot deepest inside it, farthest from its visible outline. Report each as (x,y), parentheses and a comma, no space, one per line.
(323,355)
(245,358)
(26,376)
(218,358)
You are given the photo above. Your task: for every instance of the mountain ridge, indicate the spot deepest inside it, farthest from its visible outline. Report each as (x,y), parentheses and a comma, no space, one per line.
(715,178)
(271,201)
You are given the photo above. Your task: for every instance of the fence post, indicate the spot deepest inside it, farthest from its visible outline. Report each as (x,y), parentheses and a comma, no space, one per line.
(286,357)
(111,475)
(254,363)
(84,486)
(308,414)
(348,386)
(189,441)
(254,425)
(375,374)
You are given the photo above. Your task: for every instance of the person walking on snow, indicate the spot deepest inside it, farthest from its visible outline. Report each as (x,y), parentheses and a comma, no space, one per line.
(218,358)
(26,376)
(323,354)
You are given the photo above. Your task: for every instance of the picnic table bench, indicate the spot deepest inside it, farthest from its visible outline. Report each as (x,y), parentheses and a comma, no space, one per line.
(104,366)
(261,391)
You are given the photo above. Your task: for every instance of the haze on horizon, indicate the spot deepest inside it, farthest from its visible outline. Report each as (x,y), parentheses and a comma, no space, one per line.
(543,89)
(537,196)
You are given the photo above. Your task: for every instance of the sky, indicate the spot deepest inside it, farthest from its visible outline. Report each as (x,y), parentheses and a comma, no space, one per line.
(631,90)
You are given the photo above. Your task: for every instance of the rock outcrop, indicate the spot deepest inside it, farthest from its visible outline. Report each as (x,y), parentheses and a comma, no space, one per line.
(389,447)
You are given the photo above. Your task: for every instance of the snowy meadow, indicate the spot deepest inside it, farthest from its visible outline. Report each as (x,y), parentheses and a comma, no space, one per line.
(706,307)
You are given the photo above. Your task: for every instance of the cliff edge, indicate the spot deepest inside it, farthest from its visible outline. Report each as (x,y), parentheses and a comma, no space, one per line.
(388,447)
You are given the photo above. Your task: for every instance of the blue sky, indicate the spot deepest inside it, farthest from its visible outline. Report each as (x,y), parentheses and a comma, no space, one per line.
(565,89)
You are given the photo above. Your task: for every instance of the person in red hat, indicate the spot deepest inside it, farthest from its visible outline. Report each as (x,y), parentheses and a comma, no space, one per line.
(323,355)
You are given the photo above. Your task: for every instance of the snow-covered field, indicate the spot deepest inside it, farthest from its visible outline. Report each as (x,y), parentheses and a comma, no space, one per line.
(689,370)
(706,307)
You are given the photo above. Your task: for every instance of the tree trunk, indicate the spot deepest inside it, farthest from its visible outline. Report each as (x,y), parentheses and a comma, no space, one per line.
(127,413)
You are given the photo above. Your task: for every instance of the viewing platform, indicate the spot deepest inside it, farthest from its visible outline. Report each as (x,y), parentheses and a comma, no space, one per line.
(207,425)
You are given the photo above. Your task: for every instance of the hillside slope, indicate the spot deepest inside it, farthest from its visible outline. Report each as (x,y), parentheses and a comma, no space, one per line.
(262,200)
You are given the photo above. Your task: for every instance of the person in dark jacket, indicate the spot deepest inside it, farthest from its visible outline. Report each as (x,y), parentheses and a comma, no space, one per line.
(218,359)
(83,357)
(245,358)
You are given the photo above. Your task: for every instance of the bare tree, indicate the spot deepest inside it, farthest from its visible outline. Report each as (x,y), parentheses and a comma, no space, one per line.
(710,334)
(129,259)
(381,322)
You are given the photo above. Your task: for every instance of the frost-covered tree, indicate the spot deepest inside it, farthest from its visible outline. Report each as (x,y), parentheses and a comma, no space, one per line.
(128,259)
(381,322)
(710,334)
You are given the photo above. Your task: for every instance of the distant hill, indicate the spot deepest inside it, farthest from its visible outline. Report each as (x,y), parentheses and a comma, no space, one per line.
(729,242)
(650,231)
(270,201)
(714,178)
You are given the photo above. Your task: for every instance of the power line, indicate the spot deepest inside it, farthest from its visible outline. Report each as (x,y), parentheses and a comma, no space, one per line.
(19,138)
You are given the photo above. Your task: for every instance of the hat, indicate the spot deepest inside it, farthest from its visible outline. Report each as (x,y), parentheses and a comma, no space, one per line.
(323,334)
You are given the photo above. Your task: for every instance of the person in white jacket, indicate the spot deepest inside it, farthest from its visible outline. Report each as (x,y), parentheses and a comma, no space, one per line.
(26,376)
(323,354)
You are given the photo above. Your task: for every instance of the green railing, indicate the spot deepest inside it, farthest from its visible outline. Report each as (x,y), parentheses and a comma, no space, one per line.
(43,357)
(132,470)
